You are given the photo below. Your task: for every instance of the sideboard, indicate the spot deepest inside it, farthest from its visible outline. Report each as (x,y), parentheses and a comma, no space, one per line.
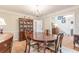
(6,40)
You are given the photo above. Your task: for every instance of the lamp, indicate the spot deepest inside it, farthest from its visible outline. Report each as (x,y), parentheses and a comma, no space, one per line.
(2,23)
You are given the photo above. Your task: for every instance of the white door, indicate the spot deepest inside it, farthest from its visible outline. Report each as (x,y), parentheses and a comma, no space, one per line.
(38,26)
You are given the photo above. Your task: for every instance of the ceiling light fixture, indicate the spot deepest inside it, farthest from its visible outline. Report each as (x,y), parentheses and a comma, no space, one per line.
(37,9)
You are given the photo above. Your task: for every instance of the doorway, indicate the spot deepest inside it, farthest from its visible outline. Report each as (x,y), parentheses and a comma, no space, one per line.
(38,25)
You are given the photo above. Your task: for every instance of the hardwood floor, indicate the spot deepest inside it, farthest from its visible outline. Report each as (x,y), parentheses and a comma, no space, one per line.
(68,43)
(19,47)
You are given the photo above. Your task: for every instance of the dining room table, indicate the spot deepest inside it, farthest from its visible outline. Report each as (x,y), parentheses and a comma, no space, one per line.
(41,37)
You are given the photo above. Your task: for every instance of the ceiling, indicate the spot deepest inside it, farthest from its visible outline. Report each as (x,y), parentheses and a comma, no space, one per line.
(31,10)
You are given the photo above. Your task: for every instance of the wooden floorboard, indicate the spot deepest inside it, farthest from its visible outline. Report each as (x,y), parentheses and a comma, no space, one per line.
(67,42)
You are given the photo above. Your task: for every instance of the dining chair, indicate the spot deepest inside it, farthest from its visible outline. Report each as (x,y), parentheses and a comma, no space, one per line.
(76,41)
(59,42)
(27,48)
(30,43)
(56,45)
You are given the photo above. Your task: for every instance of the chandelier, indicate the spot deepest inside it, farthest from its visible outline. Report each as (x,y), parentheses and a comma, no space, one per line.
(37,10)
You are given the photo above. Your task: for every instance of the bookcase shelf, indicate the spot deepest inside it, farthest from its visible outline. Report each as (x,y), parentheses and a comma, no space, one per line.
(25,25)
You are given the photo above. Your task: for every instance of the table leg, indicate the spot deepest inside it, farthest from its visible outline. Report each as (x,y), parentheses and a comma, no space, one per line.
(38,47)
(55,47)
(60,48)
(44,47)
(29,47)
(74,44)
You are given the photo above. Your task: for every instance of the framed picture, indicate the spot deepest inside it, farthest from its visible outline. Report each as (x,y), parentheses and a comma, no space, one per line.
(63,21)
(60,17)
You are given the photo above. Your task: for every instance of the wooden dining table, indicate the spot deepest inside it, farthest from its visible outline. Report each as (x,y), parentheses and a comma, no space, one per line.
(41,37)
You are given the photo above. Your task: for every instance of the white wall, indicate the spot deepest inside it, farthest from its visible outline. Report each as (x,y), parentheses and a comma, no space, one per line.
(77,21)
(47,23)
(11,19)
(67,26)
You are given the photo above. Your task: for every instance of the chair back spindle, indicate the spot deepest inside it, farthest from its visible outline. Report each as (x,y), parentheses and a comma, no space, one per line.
(59,41)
